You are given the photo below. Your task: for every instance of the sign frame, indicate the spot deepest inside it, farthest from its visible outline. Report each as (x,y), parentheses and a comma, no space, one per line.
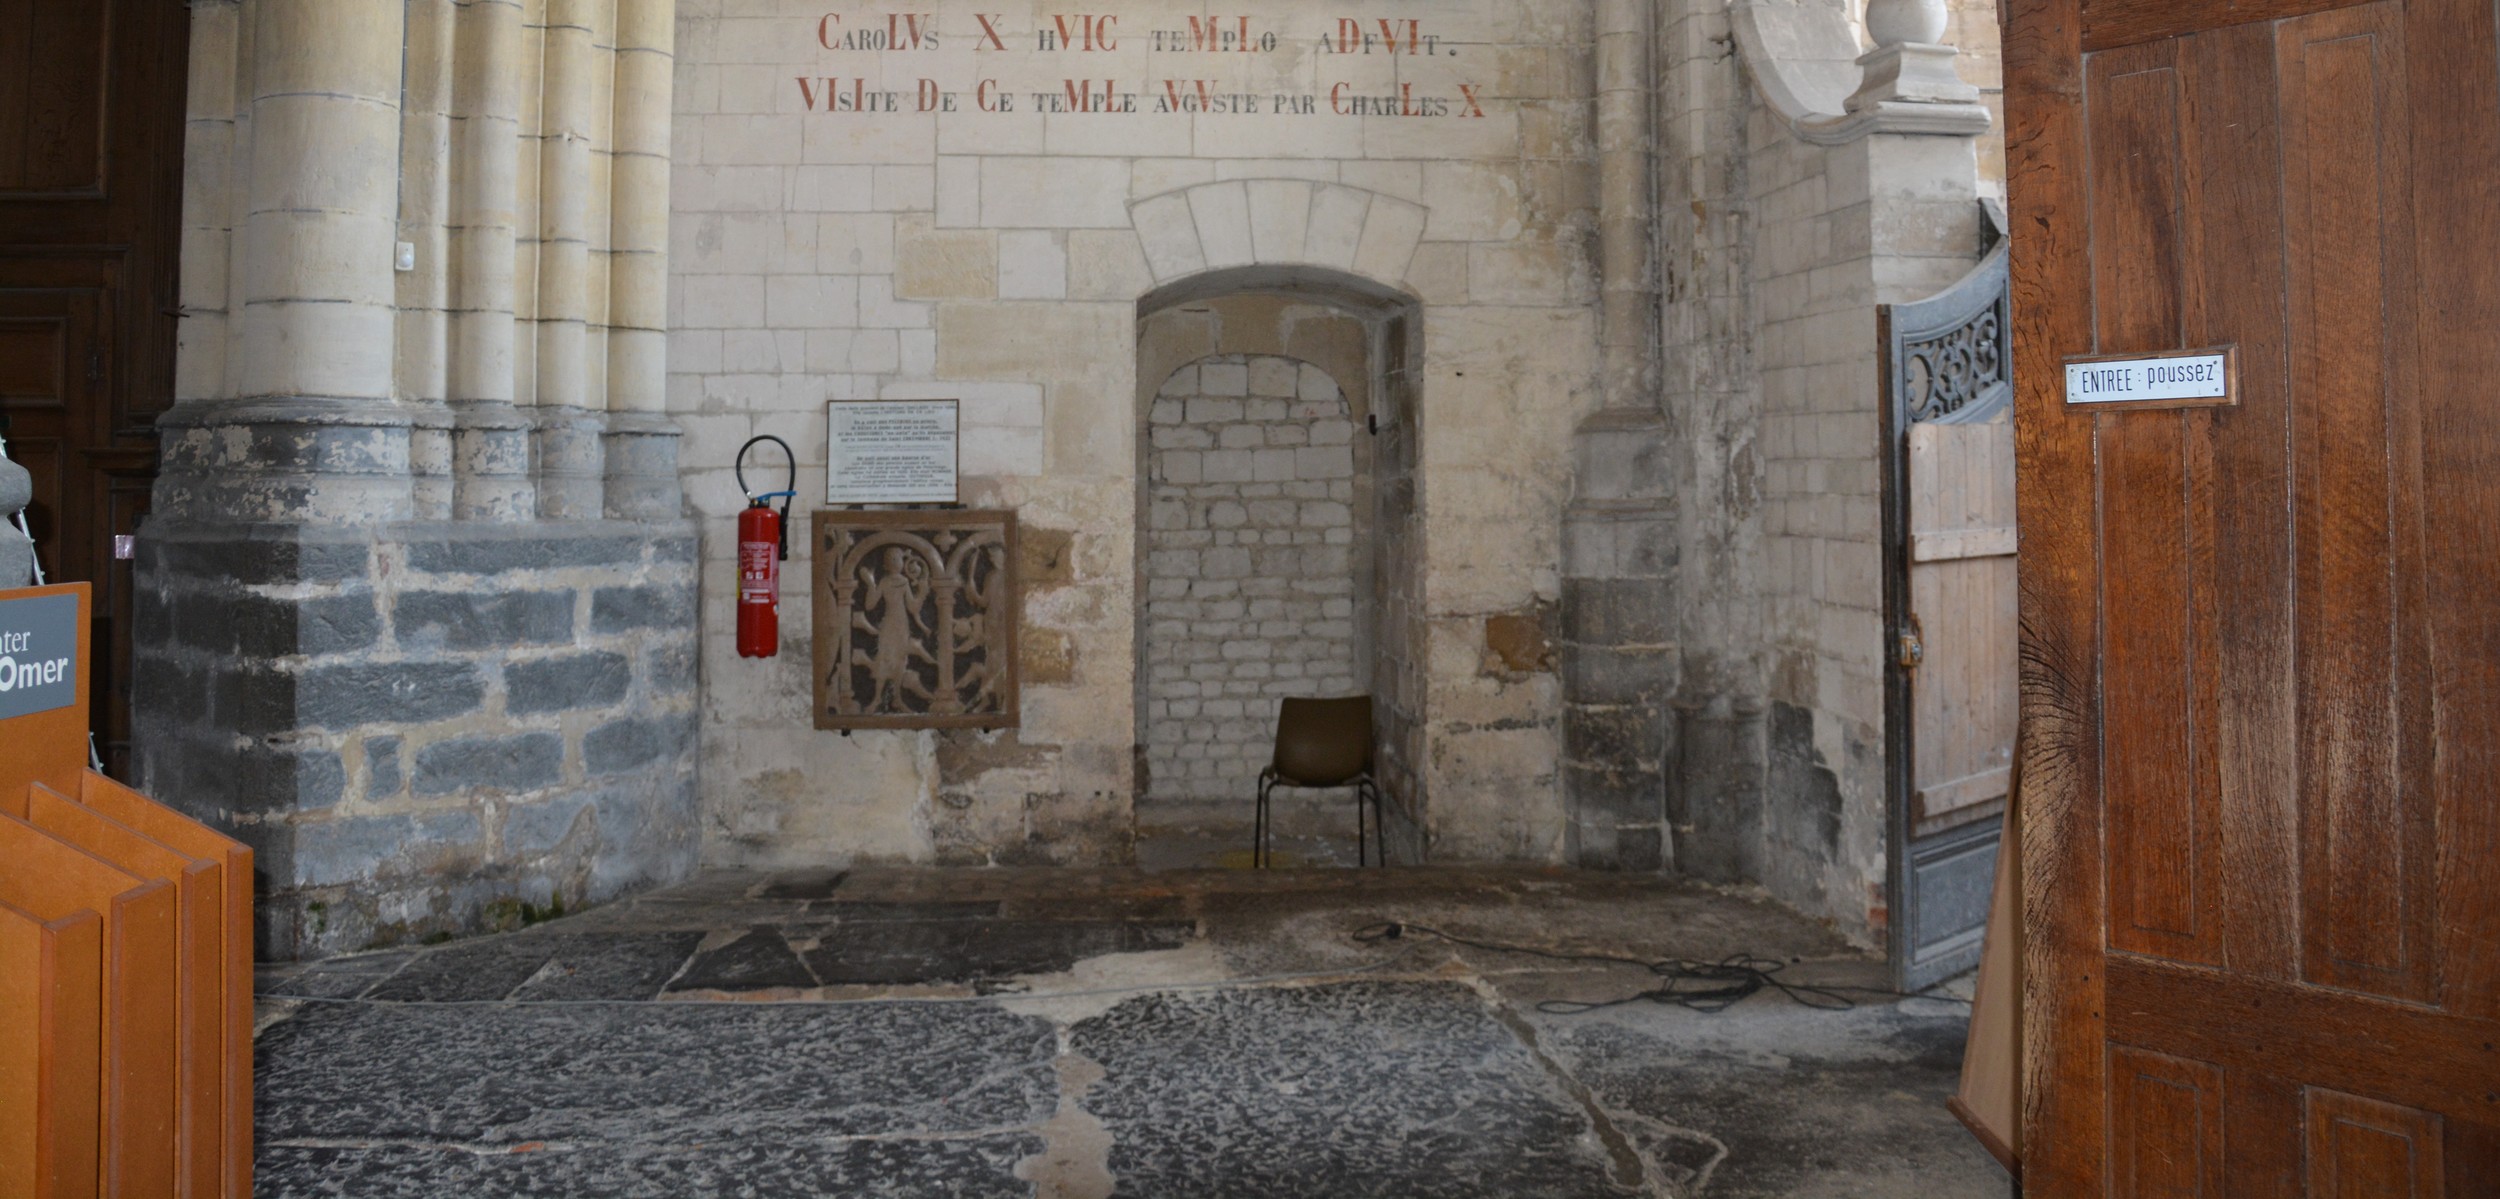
(853,494)
(2230,397)
(50,746)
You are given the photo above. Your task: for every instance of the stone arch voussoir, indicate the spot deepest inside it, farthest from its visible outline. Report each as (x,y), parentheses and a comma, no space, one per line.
(1239,223)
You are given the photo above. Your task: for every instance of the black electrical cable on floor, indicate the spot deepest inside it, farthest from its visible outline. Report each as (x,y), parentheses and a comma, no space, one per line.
(1699,986)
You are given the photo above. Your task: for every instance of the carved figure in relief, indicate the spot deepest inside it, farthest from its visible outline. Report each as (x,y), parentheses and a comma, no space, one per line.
(896,597)
(981,644)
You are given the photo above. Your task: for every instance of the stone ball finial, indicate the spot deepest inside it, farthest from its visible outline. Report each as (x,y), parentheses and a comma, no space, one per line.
(1893,22)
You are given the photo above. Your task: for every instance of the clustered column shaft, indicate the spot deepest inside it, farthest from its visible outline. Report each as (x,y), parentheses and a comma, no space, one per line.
(477,384)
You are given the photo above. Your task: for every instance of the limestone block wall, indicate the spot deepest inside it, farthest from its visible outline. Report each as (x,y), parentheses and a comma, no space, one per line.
(833,239)
(1254,565)
(1840,230)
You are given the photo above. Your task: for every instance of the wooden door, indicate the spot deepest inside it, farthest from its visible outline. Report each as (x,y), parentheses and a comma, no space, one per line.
(2261,740)
(91,116)
(1950,595)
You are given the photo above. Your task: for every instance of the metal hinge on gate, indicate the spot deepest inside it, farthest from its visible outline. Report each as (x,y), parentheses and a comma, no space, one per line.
(1911,649)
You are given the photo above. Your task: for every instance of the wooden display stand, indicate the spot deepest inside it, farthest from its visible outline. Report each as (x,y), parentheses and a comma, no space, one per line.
(1990,1100)
(125,952)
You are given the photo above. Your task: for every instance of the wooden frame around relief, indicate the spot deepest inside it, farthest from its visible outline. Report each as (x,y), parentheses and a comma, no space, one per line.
(862,577)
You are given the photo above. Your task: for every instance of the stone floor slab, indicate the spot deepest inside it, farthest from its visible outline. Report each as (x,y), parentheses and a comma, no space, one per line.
(650,1073)
(982,1168)
(758,960)
(904,953)
(1332,1092)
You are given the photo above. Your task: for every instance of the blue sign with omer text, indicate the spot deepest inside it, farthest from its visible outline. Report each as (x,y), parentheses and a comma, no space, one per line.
(38,654)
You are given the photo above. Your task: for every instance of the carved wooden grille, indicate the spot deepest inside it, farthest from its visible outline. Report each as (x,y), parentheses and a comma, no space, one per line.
(916,619)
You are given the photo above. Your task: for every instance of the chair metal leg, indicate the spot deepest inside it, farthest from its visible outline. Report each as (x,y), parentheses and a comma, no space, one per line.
(1361,843)
(1380,831)
(1259,829)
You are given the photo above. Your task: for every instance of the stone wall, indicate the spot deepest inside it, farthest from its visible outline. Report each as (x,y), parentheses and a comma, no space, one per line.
(1005,256)
(1254,564)
(424,728)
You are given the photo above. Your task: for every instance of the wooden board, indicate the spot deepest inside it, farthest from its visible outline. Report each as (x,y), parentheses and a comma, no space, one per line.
(1989,1101)
(1962,604)
(185,835)
(51,1052)
(51,880)
(198,969)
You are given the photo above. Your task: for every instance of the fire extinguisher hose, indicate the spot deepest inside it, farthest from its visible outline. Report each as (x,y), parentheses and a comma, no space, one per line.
(785,495)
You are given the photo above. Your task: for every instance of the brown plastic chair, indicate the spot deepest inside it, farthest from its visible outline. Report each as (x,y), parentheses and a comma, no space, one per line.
(1324,743)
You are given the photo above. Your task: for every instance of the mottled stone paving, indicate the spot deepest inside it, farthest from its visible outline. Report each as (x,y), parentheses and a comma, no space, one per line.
(1191,1035)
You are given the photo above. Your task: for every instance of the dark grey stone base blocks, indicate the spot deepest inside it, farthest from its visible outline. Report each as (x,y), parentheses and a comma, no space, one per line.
(424,728)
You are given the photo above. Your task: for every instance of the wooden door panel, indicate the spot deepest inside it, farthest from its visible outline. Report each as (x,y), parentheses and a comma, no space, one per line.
(2156,478)
(2165,1126)
(2262,653)
(1962,601)
(52,95)
(2364,1149)
(2366,802)
(2455,110)
(2232,237)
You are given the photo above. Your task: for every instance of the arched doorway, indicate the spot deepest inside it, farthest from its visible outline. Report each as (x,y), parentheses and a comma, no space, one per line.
(1277,538)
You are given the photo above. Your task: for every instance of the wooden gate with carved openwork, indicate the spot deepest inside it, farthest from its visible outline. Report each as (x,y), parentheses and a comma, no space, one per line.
(1950,606)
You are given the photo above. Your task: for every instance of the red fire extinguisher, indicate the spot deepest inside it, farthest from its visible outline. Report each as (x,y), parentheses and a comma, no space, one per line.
(763,545)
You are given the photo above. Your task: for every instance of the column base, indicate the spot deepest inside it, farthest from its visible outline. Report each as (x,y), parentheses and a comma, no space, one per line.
(642,467)
(491,462)
(572,471)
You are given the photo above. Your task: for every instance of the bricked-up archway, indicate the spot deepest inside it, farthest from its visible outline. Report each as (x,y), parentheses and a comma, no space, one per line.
(1256,554)
(1279,539)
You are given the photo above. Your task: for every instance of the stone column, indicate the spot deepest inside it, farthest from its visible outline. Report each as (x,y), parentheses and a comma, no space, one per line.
(567,448)
(492,454)
(425,166)
(1625,204)
(642,440)
(310,428)
(1617,663)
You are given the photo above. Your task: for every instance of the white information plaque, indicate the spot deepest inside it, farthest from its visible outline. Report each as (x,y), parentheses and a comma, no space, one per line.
(891,452)
(2196,377)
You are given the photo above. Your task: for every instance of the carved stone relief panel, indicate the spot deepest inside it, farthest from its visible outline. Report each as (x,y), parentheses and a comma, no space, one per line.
(916,616)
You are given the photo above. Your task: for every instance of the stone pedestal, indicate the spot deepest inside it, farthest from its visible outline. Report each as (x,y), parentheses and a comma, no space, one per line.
(1618,653)
(418,725)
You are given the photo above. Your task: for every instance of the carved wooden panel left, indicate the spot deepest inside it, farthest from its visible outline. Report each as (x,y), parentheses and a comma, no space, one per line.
(916,620)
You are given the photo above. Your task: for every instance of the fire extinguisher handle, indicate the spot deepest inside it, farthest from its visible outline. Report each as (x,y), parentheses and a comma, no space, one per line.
(786,495)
